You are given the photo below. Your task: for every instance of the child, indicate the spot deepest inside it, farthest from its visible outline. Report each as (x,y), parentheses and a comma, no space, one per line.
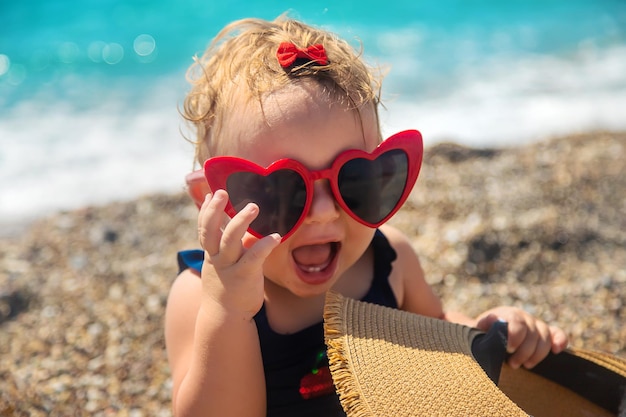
(244,317)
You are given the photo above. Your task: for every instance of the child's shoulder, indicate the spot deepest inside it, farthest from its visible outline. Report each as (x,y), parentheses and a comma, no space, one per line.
(184,297)
(181,312)
(397,239)
(407,279)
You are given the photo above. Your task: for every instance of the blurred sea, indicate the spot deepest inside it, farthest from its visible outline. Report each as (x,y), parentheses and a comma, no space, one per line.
(89,89)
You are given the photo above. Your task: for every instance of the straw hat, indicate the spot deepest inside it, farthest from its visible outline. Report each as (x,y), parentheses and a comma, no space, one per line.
(387,362)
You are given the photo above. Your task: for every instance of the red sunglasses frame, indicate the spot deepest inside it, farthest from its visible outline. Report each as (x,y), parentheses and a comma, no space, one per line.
(218,169)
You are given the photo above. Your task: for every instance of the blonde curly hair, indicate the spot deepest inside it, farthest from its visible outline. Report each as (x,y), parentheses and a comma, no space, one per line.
(241,60)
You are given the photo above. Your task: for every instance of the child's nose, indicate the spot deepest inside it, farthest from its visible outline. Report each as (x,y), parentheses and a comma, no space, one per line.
(324,207)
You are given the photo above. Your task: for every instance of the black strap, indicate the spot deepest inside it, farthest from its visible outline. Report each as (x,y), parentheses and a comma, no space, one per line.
(489,349)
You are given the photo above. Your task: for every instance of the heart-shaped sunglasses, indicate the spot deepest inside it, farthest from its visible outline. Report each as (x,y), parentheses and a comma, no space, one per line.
(370,187)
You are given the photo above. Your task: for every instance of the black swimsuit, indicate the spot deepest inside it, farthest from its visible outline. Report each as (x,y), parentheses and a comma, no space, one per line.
(297,377)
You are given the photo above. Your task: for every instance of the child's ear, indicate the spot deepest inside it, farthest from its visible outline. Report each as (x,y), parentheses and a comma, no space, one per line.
(197,186)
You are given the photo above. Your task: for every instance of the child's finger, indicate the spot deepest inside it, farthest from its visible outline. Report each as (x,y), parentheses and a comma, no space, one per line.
(254,257)
(518,330)
(485,322)
(522,352)
(209,221)
(543,344)
(231,245)
(559,339)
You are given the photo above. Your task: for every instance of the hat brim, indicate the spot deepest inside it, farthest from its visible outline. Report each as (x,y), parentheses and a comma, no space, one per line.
(387,362)
(576,382)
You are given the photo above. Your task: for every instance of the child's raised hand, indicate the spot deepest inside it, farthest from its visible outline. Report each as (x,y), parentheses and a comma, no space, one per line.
(530,339)
(232,274)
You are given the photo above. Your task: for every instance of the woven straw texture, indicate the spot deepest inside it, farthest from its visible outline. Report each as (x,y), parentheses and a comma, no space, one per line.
(541,397)
(614,363)
(387,362)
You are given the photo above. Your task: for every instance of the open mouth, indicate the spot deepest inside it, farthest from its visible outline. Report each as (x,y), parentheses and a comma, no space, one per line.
(314,259)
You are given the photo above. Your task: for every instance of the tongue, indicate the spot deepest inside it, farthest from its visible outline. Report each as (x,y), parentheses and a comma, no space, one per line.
(312,255)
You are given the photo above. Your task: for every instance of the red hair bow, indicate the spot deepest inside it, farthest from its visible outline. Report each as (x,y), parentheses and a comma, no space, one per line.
(288,53)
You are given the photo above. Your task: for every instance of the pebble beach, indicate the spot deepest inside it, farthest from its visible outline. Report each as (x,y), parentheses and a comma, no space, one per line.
(541,226)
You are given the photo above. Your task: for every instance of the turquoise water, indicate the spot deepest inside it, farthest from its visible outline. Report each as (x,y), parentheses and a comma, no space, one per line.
(98,41)
(89,89)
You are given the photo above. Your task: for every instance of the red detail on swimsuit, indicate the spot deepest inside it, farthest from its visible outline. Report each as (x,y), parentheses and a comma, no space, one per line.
(317,384)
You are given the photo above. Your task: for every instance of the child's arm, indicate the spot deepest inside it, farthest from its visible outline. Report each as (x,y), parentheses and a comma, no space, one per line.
(215,358)
(530,339)
(212,341)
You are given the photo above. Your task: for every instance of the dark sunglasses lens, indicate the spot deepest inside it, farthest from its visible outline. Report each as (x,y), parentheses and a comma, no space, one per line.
(281,197)
(372,189)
